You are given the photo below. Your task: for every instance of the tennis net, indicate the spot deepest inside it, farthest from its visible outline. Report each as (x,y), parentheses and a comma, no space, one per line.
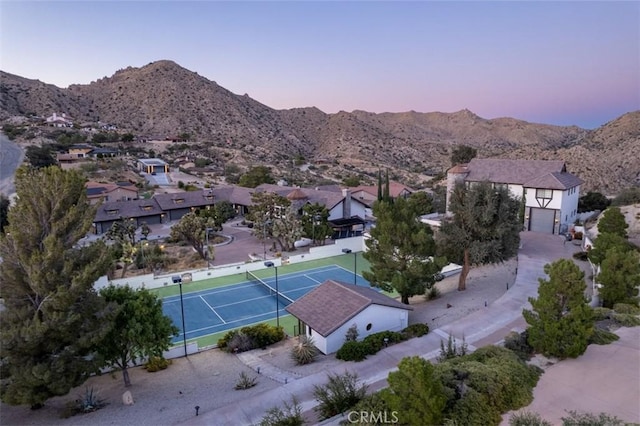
(272,291)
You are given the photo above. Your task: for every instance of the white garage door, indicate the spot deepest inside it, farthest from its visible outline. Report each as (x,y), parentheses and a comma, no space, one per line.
(542,220)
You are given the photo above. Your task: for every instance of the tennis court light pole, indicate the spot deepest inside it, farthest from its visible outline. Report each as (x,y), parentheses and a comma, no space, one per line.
(273,265)
(178,279)
(355,265)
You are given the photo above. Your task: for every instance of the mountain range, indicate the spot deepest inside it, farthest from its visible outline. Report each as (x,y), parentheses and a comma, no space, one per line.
(163,99)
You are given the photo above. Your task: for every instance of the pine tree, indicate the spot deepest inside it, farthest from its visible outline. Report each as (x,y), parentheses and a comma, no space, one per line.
(386,195)
(485,227)
(620,277)
(379,185)
(53,318)
(560,321)
(401,250)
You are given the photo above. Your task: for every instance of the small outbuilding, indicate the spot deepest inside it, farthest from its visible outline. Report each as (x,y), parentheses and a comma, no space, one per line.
(328,311)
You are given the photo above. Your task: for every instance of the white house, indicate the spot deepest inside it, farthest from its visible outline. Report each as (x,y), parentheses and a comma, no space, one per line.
(328,311)
(550,193)
(56,120)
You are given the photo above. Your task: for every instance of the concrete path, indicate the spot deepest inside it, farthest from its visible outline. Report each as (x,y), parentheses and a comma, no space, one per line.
(487,326)
(261,366)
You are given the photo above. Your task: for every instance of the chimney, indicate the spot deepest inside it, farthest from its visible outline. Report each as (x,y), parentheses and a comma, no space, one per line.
(346,206)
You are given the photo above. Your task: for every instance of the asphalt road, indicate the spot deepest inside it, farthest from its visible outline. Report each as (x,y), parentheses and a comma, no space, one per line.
(11,156)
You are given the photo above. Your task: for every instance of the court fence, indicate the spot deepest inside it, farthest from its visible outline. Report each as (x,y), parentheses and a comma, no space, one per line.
(151,281)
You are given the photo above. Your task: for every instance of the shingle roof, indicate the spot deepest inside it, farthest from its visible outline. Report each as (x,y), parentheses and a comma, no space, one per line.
(114,210)
(185,199)
(329,199)
(333,303)
(511,171)
(395,189)
(554,180)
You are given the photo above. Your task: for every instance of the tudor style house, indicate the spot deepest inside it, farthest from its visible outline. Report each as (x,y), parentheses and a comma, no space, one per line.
(549,192)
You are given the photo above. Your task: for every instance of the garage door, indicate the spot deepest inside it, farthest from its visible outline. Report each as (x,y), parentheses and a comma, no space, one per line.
(150,220)
(542,220)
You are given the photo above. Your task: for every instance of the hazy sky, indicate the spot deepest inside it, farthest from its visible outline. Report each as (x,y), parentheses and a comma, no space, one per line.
(550,62)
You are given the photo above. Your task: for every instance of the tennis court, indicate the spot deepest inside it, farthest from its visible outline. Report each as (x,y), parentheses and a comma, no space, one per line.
(224,308)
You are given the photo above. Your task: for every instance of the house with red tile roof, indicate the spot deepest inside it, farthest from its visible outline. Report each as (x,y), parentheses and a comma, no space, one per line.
(328,311)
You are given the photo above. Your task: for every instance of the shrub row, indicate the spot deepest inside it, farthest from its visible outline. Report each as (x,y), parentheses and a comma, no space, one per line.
(251,337)
(370,345)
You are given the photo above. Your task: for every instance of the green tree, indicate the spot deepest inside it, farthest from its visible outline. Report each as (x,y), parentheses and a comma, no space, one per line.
(605,242)
(416,393)
(379,185)
(613,222)
(4,212)
(561,321)
(53,318)
(40,156)
(123,233)
(484,228)
(421,202)
(620,277)
(127,137)
(592,201)
(315,221)
(273,217)
(401,250)
(192,228)
(220,213)
(463,154)
(139,331)
(256,176)
(351,181)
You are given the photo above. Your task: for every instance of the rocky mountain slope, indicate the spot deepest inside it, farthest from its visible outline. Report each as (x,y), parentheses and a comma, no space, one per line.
(163,99)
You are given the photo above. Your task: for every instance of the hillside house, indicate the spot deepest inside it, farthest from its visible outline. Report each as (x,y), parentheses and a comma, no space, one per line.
(56,120)
(152,165)
(369,194)
(549,192)
(120,191)
(328,311)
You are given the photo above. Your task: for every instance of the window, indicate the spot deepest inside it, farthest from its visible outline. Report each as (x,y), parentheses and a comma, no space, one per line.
(544,193)
(146,207)
(500,186)
(178,200)
(112,212)
(310,331)
(369,327)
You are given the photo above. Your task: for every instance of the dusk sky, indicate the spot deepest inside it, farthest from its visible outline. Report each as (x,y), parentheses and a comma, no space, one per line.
(559,63)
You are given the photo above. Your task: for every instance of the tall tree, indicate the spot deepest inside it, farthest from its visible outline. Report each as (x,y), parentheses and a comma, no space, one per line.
(220,213)
(386,194)
(416,393)
(53,318)
(379,185)
(256,176)
(139,330)
(4,212)
(422,202)
(484,228)
(315,221)
(620,277)
(401,250)
(192,228)
(463,154)
(123,233)
(613,222)
(560,321)
(593,201)
(274,217)
(605,242)
(40,156)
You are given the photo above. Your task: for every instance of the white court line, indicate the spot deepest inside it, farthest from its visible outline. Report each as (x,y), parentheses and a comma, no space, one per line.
(231,322)
(312,279)
(213,310)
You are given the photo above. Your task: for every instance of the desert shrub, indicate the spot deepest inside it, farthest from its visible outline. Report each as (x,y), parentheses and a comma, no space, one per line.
(353,351)
(625,308)
(581,255)
(415,330)
(157,363)
(452,350)
(263,335)
(304,352)
(588,419)
(433,293)
(626,320)
(340,394)
(602,337)
(600,314)
(88,402)
(519,344)
(251,337)
(375,342)
(291,415)
(474,409)
(352,334)
(245,382)
(527,418)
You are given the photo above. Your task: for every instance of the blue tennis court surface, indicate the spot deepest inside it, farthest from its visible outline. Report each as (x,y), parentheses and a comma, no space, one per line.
(224,308)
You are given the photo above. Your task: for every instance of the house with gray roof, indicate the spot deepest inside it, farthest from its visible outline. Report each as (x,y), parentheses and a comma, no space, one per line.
(142,211)
(328,311)
(550,193)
